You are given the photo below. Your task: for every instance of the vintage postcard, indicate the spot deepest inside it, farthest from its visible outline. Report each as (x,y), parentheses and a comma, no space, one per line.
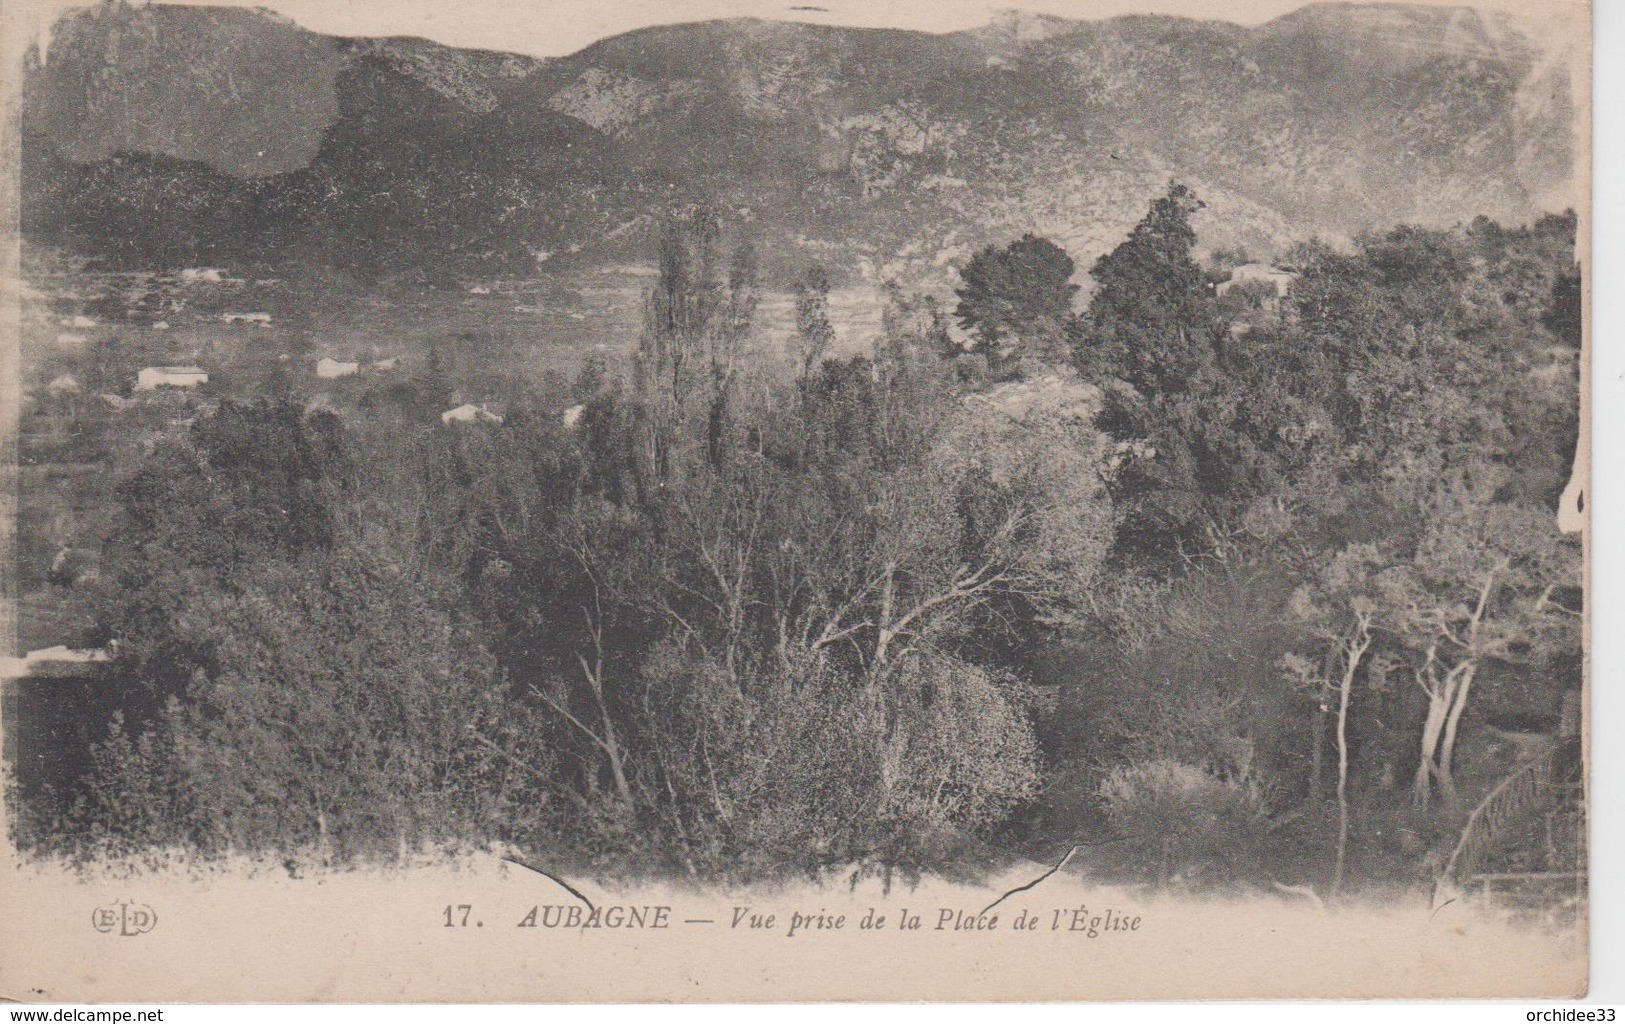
(545,501)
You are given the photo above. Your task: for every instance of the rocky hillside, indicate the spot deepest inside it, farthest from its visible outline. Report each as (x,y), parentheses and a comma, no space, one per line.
(159,135)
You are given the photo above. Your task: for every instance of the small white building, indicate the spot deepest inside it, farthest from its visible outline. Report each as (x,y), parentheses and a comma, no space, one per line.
(60,655)
(387,364)
(330,368)
(205,275)
(572,416)
(469,413)
(257,319)
(170,377)
(1258,273)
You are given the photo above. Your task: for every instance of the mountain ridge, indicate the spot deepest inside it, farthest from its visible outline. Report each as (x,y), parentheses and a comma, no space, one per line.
(891,150)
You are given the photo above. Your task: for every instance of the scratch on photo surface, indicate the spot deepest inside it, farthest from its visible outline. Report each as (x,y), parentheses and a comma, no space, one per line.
(566,886)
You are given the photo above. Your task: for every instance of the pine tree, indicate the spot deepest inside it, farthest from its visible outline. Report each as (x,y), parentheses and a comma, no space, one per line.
(1016,297)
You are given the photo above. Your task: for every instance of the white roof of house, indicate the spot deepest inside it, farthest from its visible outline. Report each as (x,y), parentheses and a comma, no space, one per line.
(469,412)
(1260,270)
(15,668)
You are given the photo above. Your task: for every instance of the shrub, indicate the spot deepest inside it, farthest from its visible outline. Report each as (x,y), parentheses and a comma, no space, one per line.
(346,714)
(801,768)
(1185,819)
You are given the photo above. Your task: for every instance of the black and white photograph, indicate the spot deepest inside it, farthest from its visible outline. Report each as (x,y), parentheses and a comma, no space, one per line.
(740,500)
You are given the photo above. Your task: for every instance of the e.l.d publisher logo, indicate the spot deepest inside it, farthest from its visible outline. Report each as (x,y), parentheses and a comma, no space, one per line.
(124,918)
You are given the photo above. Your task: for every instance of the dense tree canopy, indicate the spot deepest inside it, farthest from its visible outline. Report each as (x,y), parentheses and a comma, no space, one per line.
(1147,317)
(1016,296)
(708,614)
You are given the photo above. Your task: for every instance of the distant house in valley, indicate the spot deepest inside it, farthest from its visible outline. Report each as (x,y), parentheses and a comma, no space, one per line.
(42,662)
(258,319)
(170,377)
(469,413)
(387,364)
(326,367)
(1271,278)
(205,275)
